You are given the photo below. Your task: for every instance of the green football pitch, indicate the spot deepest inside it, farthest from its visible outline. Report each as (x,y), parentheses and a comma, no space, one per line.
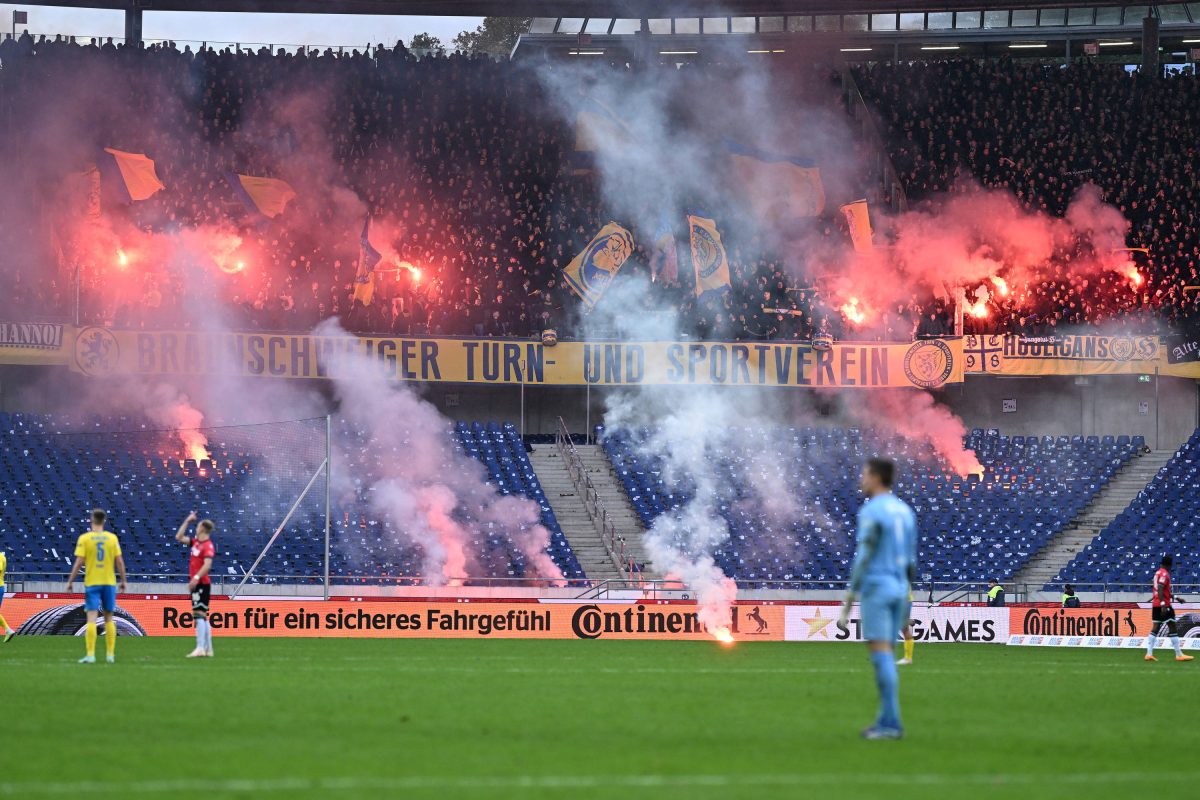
(278,718)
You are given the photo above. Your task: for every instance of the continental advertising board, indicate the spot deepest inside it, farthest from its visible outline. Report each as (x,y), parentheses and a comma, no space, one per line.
(158,616)
(749,621)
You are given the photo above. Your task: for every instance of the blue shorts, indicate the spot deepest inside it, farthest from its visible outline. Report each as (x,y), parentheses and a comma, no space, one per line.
(100,598)
(885,611)
(1,594)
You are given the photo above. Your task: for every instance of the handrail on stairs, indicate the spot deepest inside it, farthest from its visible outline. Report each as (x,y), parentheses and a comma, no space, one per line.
(613,541)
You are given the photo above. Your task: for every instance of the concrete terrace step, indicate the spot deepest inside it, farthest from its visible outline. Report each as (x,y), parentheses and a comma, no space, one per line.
(571,514)
(616,503)
(1114,498)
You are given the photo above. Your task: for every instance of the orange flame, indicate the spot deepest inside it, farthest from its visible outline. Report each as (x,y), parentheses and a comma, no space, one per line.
(195,445)
(852,312)
(1134,276)
(1001,285)
(724,636)
(978,310)
(122,259)
(232,268)
(413,270)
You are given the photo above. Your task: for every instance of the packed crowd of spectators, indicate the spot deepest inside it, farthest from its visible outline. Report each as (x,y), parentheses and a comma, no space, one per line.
(1042,131)
(466,169)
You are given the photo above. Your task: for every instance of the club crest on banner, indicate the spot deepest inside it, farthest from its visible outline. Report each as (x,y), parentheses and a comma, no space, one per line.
(929,363)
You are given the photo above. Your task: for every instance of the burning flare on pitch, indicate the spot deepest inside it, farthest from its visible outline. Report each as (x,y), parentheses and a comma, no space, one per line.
(723,635)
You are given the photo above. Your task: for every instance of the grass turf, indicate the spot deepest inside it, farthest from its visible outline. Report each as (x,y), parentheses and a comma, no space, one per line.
(605,719)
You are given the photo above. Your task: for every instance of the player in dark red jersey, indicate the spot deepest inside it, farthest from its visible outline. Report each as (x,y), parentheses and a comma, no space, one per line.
(199,583)
(1163,614)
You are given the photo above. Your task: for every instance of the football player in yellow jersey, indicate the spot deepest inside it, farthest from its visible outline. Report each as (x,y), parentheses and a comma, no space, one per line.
(8,632)
(909,639)
(99,551)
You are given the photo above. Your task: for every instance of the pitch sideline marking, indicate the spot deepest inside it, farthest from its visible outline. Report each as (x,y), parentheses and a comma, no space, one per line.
(484,783)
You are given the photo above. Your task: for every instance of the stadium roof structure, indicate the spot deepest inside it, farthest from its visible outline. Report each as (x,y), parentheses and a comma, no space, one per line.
(567,9)
(1048,30)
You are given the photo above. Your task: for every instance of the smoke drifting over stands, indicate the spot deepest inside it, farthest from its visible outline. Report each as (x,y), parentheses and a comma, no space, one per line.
(466,168)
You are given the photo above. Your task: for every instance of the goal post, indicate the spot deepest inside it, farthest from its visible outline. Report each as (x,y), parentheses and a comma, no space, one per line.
(259,482)
(322,470)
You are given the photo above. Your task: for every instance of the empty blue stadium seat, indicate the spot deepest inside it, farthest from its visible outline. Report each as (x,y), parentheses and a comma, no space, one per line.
(49,482)
(972,529)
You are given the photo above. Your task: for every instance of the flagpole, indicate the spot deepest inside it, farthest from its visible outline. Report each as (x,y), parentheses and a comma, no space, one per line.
(521,365)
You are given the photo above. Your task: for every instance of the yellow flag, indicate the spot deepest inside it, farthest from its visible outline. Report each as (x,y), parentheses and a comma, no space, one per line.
(590,272)
(137,173)
(708,256)
(858,219)
(778,187)
(269,196)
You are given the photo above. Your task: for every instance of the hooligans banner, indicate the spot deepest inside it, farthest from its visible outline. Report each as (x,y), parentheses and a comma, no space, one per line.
(926,364)
(1064,355)
(166,616)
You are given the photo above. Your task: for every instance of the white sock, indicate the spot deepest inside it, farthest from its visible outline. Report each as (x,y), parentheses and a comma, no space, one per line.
(1150,640)
(207,636)
(201,624)
(1178,647)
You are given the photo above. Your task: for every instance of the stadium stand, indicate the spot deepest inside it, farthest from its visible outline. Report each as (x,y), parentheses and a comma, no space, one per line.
(1162,520)
(1042,131)
(51,473)
(491,218)
(971,529)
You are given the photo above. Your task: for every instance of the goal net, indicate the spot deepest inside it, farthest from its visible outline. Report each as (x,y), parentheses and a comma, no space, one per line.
(248,479)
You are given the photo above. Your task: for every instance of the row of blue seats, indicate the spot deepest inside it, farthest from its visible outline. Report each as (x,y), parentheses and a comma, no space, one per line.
(972,529)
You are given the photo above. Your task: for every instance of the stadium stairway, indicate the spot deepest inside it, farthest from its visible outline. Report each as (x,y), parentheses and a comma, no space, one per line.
(1114,498)
(616,501)
(571,514)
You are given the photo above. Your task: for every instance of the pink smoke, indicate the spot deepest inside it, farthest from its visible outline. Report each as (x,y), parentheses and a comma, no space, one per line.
(433,494)
(973,237)
(168,407)
(438,502)
(915,415)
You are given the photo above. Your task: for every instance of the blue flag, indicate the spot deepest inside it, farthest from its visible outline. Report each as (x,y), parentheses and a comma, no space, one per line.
(368,257)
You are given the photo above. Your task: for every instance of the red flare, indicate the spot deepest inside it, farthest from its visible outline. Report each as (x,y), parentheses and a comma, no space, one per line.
(724,636)
(852,312)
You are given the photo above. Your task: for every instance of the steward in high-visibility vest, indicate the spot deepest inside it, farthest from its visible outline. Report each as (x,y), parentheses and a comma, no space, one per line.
(995,593)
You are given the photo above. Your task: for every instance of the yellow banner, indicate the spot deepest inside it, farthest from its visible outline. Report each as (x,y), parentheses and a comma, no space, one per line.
(1066,355)
(926,364)
(35,342)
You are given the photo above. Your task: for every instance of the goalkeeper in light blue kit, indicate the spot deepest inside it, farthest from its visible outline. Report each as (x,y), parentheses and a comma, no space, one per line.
(884,569)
